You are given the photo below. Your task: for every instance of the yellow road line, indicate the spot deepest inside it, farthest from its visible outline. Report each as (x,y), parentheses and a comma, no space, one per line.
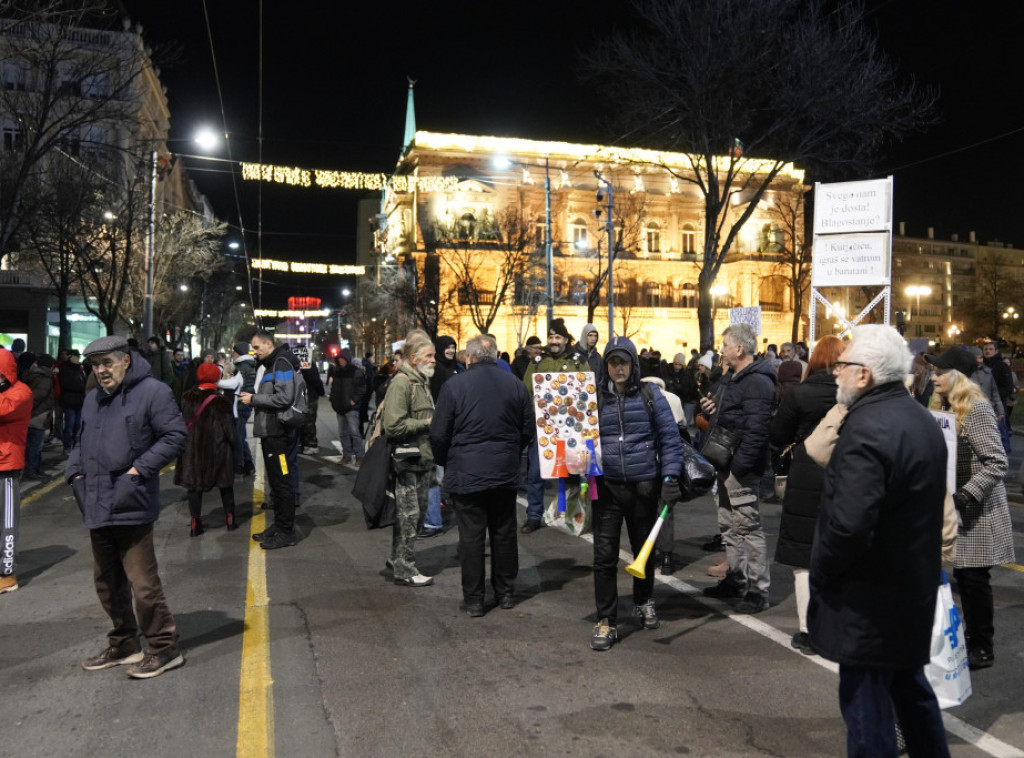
(46,489)
(1014,566)
(255,689)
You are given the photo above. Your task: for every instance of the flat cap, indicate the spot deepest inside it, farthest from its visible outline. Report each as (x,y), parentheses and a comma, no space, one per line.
(106,345)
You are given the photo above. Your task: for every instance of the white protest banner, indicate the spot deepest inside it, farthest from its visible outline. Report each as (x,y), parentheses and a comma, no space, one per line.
(748,315)
(845,207)
(851,260)
(947,424)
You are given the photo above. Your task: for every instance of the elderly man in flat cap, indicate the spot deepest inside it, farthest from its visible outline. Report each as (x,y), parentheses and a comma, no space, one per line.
(131,429)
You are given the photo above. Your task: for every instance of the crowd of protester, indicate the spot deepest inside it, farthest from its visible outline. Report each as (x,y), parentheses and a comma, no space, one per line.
(832,426)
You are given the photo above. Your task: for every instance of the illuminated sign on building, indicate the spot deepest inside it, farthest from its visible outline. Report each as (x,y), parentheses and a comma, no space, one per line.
(295,267)
(304,177)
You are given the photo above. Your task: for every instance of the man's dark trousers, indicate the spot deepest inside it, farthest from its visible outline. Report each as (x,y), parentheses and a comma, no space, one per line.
(492,511)
(867,697)
(275,460)
(124,566)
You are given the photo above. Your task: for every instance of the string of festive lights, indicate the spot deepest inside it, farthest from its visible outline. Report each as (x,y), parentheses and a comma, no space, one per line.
(296,267)
(355,180)
(264,313)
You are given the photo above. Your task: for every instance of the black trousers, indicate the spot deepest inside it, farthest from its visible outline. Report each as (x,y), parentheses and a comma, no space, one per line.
(275,460)
(636,503)
(976,600)
(480,513)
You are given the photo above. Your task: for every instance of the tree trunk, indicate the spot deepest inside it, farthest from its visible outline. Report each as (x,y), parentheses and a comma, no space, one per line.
(705,317)
(798,308)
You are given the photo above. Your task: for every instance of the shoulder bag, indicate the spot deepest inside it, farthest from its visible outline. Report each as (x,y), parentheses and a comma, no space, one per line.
(719,447)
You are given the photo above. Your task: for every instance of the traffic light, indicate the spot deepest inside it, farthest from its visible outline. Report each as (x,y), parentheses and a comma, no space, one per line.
(333,350)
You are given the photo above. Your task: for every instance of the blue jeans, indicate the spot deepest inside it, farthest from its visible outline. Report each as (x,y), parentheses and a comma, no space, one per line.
(434,519)
(34,451)
(72,426)
(243,456)
(534,485)
(867,697)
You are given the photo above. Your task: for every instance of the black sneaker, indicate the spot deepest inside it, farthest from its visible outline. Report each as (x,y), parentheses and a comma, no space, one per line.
(726,588)
(714,545)
(279,539)
(156,664)
(473,610)
(980,658)
(111,657)
(802,642)
(752,602)
(429,531)
(265,534)
(507,602)
(647,614)
(604,635)
(531,526)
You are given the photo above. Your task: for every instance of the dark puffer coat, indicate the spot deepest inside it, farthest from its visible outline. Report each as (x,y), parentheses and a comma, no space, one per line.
(876,560)
(633,450)
(208,458)
(138,425)
(483,419)
(799,413)
(744,404)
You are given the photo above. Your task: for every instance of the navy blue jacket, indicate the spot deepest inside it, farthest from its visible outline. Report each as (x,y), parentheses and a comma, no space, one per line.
(138,425)
(744,403)
(632,449)
(482,421)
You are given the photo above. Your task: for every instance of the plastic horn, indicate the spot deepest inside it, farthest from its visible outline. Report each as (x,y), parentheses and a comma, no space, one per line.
(636,568)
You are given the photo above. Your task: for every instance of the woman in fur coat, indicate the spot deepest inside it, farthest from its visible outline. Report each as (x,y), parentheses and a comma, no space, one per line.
(208,459)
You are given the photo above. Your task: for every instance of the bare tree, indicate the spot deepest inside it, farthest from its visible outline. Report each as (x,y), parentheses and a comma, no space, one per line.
(996,288)
(485,262)
(630,213)
(744,88)
(794,258)
(71,82)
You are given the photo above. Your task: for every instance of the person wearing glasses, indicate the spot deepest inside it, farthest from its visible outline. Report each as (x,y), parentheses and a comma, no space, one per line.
(985,538)
(876,558)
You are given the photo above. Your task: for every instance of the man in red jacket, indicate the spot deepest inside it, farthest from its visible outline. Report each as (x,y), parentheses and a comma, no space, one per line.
(15,410)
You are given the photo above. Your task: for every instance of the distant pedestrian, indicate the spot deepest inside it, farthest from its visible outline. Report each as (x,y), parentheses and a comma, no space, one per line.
(243,380)
(208,458)
(314,391)
(276,392)
(408,410)
(483,419)
(15,412)
(131,429)
(72,395)
(159,361)
(348,385)
(39,379)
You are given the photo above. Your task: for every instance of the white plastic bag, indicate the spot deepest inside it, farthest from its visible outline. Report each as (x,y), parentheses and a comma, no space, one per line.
(576,519)
(947,671)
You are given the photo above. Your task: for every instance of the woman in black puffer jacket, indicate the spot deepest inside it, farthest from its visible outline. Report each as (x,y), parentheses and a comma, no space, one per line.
(799,413)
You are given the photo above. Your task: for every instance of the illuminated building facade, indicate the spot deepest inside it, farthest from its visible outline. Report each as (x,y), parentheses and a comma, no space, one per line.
(659,230)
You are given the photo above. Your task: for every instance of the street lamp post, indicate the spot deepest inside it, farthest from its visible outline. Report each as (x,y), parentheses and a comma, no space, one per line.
(609,223)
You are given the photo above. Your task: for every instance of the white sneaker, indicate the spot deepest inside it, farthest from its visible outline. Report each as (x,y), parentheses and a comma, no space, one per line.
(416,581)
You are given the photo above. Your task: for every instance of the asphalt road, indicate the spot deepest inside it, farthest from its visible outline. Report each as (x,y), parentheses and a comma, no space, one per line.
(337,660)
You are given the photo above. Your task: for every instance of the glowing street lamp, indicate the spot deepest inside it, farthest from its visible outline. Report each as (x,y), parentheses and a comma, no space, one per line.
(917,291)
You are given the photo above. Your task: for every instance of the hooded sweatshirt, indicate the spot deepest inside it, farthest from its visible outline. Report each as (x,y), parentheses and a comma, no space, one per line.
(592,356)
(15,411)
(444,369)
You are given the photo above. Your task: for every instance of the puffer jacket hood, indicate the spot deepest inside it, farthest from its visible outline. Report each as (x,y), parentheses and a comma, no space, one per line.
(8,365)
(623,344)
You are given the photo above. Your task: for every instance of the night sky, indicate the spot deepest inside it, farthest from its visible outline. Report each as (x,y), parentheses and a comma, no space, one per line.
(334,97)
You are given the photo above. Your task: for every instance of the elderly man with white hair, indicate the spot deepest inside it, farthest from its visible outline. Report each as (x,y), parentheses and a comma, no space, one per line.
(875,564)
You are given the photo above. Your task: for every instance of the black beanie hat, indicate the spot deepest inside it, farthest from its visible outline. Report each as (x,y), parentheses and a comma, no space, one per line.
(557,326)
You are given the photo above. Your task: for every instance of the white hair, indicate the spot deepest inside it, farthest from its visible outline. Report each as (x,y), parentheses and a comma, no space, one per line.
(883,350)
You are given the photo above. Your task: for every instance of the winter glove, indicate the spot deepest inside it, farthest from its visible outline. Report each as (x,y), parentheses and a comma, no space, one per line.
(963,500)
(670,492)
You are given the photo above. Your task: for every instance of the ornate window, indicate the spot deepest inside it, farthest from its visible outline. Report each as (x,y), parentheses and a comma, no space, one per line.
(579,235)
(653,238)
(688,243)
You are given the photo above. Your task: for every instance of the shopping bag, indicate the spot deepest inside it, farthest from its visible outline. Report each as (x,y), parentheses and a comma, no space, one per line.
(576,519)
(947,671)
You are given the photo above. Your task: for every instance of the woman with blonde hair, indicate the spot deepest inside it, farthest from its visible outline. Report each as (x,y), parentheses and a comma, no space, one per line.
(986,537)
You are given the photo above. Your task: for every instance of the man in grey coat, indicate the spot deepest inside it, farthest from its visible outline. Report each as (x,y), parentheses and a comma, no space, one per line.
(131,429)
